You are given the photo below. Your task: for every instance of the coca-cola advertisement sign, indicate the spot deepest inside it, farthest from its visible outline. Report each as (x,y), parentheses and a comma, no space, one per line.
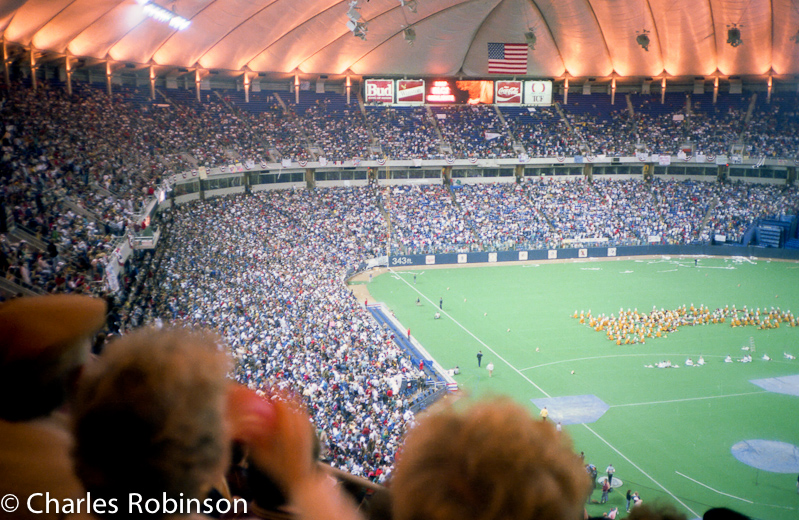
(508,93)
(379,91)
(410,91)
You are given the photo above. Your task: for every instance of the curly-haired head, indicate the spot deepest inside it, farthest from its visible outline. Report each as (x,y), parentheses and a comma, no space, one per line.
(149,416)
(491,460)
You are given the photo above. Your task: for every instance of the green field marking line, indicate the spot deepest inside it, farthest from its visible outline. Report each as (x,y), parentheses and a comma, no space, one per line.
(633,464)
(467,331)
(690,399)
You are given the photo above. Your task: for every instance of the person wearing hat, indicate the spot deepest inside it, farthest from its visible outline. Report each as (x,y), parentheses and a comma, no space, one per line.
(44,343)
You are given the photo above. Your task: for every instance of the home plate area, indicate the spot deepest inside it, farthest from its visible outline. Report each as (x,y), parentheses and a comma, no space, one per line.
(573,409)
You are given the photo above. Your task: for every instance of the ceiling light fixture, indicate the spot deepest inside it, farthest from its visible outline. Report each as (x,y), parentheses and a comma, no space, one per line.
(410,35)
(530,39)
(795,38)
(357,27)
(643,39)
(734,35)
(164,15)
(410,4)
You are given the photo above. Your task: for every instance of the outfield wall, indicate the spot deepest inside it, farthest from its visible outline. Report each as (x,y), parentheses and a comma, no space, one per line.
(590,252)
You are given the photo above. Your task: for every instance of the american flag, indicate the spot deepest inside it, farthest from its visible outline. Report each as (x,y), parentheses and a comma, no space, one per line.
(507,58)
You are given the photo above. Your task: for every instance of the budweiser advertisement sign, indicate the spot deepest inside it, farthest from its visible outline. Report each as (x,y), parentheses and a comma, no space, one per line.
(508,92)
(379,91)
(410,91)
(538,93)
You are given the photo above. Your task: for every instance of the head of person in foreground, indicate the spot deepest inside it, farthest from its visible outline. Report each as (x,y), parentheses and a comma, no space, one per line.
(489,460)
(149,417)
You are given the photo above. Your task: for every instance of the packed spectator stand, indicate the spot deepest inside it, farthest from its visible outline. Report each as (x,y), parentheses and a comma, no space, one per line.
(266,270)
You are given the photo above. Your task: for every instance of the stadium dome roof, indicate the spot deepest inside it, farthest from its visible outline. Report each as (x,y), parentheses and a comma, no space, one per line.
(574,38)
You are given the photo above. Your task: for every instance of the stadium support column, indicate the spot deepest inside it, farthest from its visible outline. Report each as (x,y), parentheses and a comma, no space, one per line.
(518,171)
(566,91)
(613,91)
(446,175)
(246,88)
(33,69)
(68,70)
(723,171)
(152,82)
(647,173)
(108,73)
(197,84)
(663,91)
(769,86)
(310,182)
(6,72)
(588,172)
(791,175)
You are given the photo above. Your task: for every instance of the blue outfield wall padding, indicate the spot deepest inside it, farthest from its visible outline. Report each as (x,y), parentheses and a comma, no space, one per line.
(772,456)
(591,252)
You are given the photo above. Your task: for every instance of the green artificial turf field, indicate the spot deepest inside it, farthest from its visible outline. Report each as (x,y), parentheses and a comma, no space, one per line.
(668,432)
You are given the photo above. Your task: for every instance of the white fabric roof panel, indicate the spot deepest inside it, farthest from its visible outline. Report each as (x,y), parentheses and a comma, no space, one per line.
(581,38)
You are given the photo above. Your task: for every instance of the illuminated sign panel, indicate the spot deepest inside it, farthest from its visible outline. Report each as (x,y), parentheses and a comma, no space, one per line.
(410,91)
(509,92)
(440,91)
(538,93)
(448,91)
(379,91)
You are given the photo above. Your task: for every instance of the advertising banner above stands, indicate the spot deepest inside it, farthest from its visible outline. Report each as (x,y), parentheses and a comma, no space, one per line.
(379,91)
(509,92)
(410,91)
(457,92)
(538,93)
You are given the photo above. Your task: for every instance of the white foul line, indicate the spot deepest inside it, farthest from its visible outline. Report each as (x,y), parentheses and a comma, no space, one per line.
(715,490)
(456,322)
(689,399)
(641,470)
(633,464)
(598,357)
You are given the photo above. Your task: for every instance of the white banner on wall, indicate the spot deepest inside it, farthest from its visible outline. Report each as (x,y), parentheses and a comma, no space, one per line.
(538,93)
